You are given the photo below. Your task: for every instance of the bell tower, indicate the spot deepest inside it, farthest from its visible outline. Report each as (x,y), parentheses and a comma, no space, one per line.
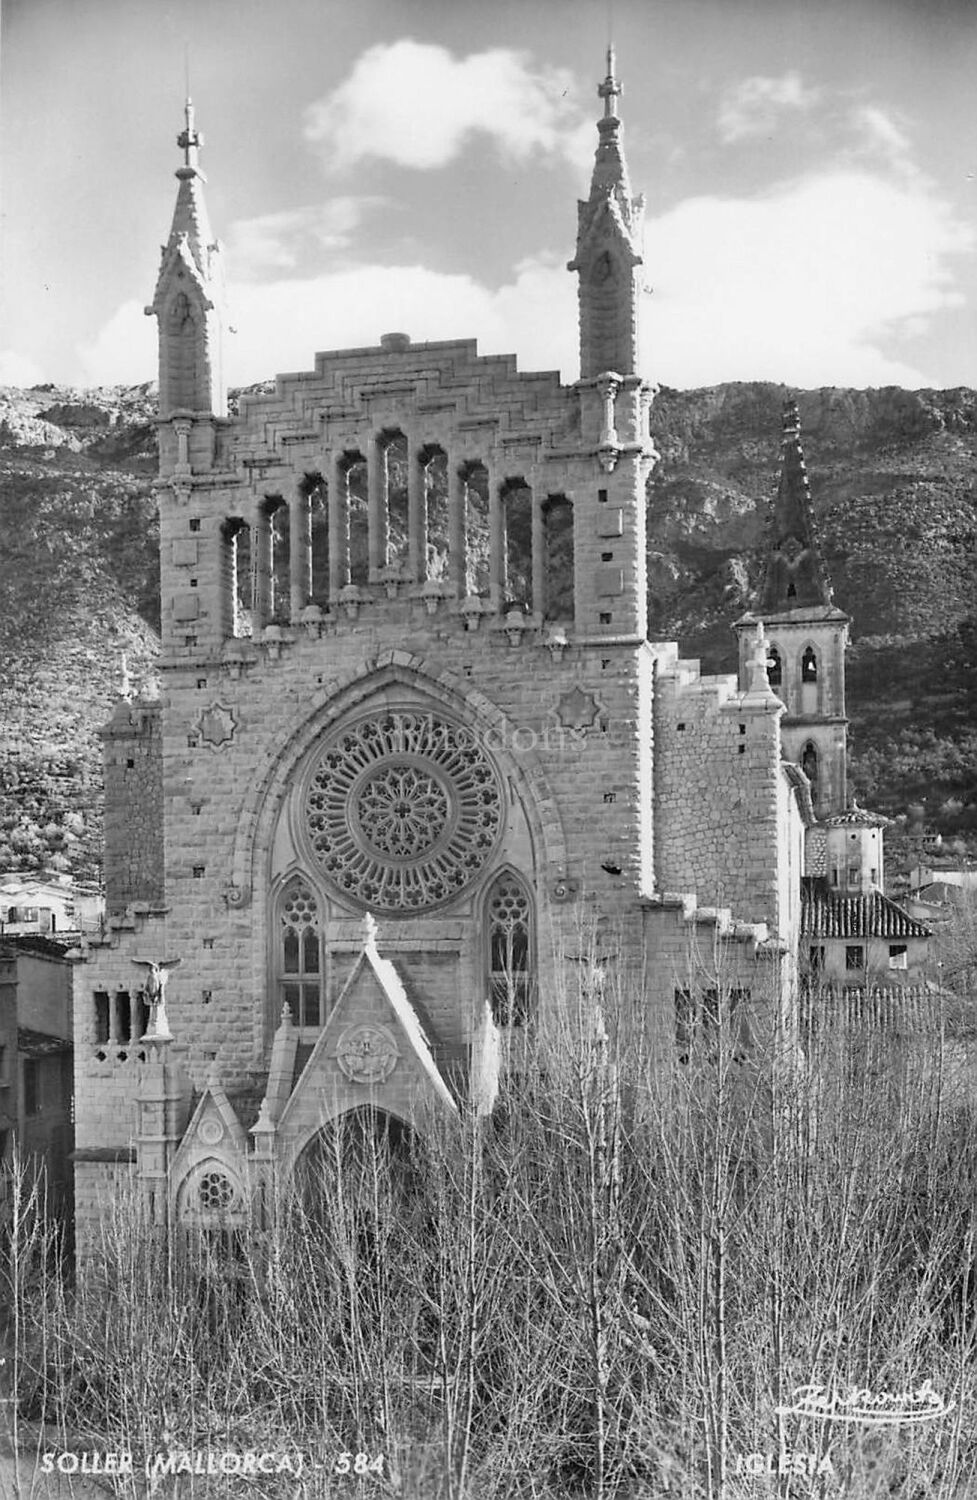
(189,305)
(807,632)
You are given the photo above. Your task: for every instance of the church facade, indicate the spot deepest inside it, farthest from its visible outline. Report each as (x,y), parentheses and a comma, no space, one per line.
(414,759)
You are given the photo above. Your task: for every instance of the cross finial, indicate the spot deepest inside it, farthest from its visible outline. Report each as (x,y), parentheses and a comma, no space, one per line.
(189,140)
(369,929)
(610,88)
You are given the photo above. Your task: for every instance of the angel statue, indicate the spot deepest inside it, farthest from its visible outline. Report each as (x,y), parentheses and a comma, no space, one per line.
(154,990)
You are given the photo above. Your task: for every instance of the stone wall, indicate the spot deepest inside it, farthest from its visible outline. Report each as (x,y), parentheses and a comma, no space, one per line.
(721,829)
(132,755)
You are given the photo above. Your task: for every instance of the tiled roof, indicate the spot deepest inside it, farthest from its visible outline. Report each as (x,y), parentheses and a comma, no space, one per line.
(829,914)
(39,1043)
(857,817)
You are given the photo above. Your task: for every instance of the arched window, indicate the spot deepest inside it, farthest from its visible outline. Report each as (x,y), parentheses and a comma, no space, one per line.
(809,765)
(299,958)
(775,668)
(809,665)
(509,913)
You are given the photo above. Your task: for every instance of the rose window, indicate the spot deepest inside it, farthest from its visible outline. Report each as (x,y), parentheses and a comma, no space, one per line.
(403,810)
(215,1193)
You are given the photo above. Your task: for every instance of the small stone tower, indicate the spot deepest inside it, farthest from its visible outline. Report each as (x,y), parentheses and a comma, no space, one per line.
(189,305)
(807,633)
(609,251)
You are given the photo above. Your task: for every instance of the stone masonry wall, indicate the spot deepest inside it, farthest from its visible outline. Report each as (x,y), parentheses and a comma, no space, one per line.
(717,772)
(133,764)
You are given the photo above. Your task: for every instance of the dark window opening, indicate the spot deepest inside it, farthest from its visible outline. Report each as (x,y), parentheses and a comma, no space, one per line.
(809,765)
(558,561)
(101,1018)
(775,668)
(32,1085)
(854,957)
(809,666)
(517,549)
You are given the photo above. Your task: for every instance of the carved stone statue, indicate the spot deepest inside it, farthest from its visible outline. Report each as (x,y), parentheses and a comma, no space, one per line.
(155,991)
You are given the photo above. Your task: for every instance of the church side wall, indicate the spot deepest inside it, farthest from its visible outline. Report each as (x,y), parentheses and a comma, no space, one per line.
(720,832)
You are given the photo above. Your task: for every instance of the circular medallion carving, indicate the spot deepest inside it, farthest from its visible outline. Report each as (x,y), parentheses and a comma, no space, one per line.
(403,809)
(367,1054)
(211,1131)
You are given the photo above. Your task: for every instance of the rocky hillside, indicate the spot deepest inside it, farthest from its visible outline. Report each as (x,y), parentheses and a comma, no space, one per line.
(892,474)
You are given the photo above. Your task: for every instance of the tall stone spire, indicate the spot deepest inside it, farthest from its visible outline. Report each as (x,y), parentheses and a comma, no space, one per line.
(609,251)
(794,575)
(806,631)
(189,296)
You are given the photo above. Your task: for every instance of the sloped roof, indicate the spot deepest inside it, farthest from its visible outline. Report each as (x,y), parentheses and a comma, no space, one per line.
(39,1043)
(830,914)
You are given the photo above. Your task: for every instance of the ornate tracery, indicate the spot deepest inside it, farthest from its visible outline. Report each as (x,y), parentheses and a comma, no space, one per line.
(402,810)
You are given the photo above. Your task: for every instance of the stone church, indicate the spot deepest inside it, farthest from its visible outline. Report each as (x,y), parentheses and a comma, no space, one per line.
(414,757)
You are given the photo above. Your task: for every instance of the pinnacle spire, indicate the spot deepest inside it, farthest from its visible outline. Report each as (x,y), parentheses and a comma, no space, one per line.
(794,576)
(189,140)
(190,216)
(610,173)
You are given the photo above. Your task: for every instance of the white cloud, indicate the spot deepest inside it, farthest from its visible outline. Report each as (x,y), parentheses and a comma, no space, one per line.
(19,370)
(123,352)
(281,241)
(814,284)
(807,285)
(877,134)
(753,107)
(415,104)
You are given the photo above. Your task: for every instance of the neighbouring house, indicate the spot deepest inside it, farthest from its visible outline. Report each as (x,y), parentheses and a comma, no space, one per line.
(47,904)
(36,1067)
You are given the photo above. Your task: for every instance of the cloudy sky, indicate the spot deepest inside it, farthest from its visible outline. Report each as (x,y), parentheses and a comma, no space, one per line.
(809,167)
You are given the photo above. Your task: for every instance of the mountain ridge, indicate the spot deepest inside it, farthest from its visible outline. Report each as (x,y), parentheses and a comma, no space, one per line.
(893,484)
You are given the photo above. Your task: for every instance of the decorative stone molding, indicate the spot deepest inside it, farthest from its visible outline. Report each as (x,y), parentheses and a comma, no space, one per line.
(472,608)
(577,709)
(564,889)
(367,1053)
(435,592)
(351,597)
(555,641)
(403,810)
(215,725)
(234,896)
(312,620)
(237,656)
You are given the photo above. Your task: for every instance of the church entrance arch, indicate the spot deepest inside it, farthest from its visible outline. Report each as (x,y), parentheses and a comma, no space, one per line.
(361,1172)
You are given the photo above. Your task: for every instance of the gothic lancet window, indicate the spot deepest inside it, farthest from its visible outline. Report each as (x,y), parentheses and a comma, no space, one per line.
(299,963)
(509,911)
(809,765)
(809,665)
(775,669)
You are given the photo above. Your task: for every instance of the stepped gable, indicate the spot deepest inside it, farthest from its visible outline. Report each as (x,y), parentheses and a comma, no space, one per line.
(447,380)
(827,913)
